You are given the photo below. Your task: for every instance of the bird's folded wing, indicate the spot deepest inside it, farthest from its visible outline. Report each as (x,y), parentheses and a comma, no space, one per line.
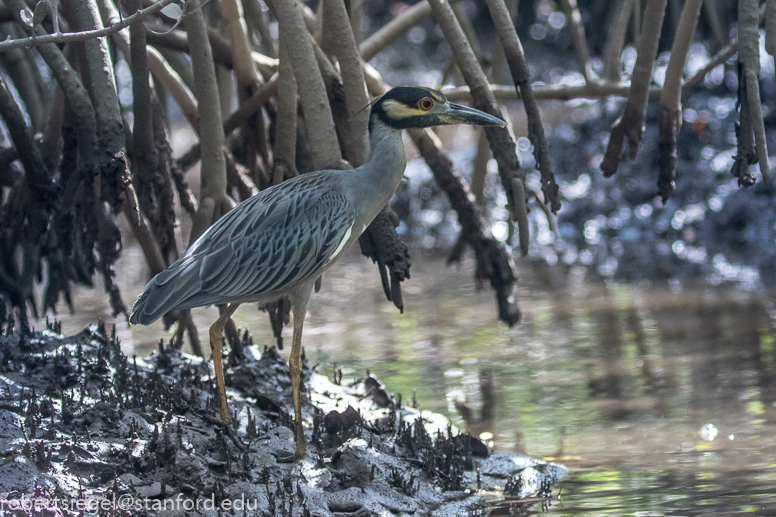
(279,252)
(275,240)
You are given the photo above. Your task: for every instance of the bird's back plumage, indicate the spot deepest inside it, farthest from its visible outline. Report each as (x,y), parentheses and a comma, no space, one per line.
(280,237)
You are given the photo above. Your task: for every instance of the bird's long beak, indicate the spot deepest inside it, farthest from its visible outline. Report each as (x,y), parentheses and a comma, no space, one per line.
(459,114)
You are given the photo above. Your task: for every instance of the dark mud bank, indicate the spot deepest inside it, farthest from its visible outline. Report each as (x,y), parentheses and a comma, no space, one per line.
(86,430)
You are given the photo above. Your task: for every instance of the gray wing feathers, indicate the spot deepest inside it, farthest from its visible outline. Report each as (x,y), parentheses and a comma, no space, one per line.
(276,239)
(160,295)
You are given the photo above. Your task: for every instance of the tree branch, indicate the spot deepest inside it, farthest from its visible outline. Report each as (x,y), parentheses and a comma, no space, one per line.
(577,28)
(34,168)
(159,67)
(631,123)
(749,69)
(493,262)
(284,154)
(616,39)
(513,50)
(112,154)
(42,39)
(142,131)
(257,19)
(242,62)
(20,66)
(315,104)
(501,143)
(213,196)
(720,57)
(74,91)
(590,90)
(344,46)
(393,30)
(670,98)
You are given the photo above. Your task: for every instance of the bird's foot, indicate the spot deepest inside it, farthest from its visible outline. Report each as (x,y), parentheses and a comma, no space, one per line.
(231,432)
(228,428)
(216,420)
(226,416)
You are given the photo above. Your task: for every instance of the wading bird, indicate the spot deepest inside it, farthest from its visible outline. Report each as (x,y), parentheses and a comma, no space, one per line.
(278,243)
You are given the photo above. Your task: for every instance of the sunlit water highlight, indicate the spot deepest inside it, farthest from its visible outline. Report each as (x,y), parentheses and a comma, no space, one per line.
(661,399)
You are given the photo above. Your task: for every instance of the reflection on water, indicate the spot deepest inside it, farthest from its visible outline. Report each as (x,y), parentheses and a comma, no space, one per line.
(619,382)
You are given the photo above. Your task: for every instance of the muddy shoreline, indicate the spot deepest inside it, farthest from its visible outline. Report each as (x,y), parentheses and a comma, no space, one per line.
(85,429)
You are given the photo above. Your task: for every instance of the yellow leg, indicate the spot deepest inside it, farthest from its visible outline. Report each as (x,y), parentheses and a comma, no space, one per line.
(215,347)
(295,368)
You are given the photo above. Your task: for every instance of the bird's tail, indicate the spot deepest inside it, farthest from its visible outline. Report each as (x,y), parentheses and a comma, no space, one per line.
(167,291)
(140,314)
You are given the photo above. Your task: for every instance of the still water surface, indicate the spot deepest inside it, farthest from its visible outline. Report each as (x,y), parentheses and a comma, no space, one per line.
(661,399)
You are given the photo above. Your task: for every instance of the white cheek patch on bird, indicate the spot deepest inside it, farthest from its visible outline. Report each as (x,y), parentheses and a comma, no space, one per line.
(341,245)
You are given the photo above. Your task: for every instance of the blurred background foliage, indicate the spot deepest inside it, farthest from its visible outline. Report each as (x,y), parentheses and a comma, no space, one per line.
(148,134)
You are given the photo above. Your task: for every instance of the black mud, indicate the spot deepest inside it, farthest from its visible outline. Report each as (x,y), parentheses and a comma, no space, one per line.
(86,430)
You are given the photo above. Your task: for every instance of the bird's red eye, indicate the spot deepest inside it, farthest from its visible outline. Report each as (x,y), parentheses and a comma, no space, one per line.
(426,104)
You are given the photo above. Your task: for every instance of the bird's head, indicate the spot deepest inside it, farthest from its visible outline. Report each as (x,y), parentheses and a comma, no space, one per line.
(406,107)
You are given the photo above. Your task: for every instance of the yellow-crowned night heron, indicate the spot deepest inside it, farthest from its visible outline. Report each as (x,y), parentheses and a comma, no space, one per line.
(277,243)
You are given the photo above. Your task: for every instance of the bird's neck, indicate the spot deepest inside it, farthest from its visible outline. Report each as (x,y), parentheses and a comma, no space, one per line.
(385,168)
(387,159)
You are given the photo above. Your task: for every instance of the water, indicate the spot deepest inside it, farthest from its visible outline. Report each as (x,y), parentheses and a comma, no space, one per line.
(660,398)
